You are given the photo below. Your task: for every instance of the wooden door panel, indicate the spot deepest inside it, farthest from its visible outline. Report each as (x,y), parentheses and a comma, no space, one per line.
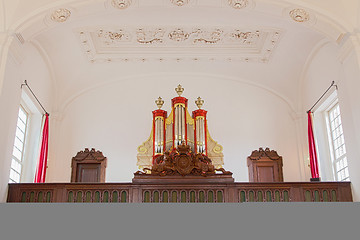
(88,173)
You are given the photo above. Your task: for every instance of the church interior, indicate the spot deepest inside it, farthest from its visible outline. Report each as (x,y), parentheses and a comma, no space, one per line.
(107,70)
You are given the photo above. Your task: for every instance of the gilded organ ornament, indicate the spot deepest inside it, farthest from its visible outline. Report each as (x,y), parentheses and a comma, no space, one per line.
(60,15)
(182,161)
(199,102)
(159,102)
(299,15)
(179,90)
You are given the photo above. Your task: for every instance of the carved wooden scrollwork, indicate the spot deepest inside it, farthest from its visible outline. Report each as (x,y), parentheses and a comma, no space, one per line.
(182,161)
(257,154)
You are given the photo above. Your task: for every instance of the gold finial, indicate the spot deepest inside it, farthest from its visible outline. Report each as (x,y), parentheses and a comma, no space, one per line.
(179,90)
(159,102)
(199,102)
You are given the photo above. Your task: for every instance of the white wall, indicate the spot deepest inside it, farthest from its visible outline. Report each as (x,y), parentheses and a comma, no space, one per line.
(33,68)
(116,118)
(349,95)
(9,107)
(324,68)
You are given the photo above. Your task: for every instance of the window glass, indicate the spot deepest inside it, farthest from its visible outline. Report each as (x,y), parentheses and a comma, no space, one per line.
(18,150)
(338,144)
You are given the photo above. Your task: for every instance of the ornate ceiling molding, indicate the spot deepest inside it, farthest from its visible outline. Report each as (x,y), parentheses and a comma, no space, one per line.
(60,15)
(179,3)
(107,44)
(299,15)
(120,4)
(238,4)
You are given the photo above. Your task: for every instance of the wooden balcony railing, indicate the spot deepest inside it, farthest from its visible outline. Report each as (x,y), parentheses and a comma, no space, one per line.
(214,192)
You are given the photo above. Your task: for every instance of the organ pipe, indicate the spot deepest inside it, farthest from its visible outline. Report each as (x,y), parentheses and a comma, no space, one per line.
(159,131)
(178,124)
(183,124)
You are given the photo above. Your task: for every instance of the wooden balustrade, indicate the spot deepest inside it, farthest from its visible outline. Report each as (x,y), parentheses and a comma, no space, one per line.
(173,192)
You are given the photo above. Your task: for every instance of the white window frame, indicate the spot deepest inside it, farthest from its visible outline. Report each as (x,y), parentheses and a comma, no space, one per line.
(341,159)
(323,140)
(32,138)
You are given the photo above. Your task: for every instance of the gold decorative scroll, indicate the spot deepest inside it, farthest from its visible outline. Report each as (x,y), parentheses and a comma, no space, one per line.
(144,155)
(189,119)
(214,151)
(169,119)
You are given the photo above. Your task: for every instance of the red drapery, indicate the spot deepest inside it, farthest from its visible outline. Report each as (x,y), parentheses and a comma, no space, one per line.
(312,149)
(41,167)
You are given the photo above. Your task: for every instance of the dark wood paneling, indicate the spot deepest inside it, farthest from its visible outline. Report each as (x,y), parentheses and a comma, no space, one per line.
(226,192)
(88,172)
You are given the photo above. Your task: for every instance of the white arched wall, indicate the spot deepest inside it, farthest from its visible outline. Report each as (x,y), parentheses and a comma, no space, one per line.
(116,118)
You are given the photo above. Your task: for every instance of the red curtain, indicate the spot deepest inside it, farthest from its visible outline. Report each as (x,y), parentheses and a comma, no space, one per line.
(41,167)
(312,149)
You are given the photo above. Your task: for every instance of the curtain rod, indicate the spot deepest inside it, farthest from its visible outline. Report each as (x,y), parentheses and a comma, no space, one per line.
(26,84)
(332,84)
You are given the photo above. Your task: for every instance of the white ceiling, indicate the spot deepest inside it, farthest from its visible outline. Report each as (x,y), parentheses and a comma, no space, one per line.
(275,59)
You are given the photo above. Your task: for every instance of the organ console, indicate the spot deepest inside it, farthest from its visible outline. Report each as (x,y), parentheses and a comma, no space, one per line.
(170,131)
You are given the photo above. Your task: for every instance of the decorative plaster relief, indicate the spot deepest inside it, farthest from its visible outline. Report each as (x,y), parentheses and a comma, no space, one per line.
(121,4)
(299,15)
(149,36)
(180,2)
(238,4)
(60,15)
(178,43)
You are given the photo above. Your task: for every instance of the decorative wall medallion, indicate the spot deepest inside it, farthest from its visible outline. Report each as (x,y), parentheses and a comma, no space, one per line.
(180,2)
(299,15)
(178,43)
(238,4)
(60,15)
(121,4)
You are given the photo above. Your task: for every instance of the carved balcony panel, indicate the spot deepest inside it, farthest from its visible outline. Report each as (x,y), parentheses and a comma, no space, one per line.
(212,192)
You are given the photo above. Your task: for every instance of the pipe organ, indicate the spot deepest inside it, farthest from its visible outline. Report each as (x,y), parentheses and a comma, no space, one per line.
(170,131)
